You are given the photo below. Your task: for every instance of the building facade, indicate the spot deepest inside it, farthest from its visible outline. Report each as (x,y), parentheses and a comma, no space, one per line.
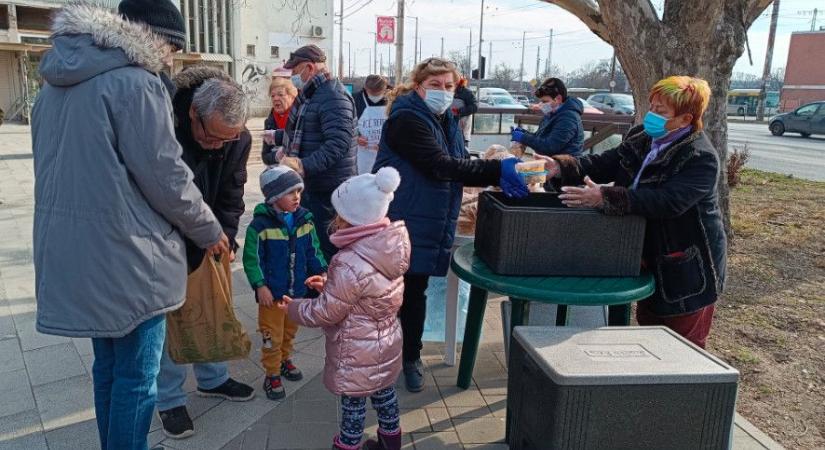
(247,38)
(251,38)
(805,71)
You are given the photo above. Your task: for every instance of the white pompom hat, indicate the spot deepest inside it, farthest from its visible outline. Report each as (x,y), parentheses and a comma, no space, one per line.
(365,199)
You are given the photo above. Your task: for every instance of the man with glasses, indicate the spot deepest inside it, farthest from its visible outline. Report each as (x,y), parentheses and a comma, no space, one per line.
(210,114)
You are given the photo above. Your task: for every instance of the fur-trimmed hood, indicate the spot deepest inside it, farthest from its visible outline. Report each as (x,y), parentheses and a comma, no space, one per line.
(89,40)
(194,76)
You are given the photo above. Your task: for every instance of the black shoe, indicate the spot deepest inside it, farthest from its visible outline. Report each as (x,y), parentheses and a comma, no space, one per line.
(414,375)
(290,372)
(176,423)
(230,390)
(273,388)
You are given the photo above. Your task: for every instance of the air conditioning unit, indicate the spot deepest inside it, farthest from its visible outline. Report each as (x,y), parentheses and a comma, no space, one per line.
(316,31)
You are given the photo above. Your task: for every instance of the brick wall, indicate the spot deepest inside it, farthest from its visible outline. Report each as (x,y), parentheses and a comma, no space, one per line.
(805,71)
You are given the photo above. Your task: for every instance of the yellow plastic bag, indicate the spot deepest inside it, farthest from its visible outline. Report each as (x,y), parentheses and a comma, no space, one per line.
(205,329)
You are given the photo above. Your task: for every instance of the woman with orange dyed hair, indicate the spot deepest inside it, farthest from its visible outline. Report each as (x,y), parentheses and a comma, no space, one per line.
(665,170)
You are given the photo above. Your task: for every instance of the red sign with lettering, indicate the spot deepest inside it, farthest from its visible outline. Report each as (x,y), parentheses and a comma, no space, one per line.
(385,31)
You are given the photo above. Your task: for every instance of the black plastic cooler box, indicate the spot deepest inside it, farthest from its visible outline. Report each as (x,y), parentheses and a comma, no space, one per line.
(538,235)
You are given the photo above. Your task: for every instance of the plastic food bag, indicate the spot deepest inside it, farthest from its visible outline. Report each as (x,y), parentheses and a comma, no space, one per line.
(205,329)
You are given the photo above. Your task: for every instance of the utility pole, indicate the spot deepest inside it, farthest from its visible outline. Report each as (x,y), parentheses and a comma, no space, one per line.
(374,52)
(381,70)
(549,64)
(813,20)
(399,46)
(415,53)
(490,59)
(341,42)
(766,72)
(349,58)
(442,47)
(613,71)
(470,56)
(521,69)
(480,40)
(538,62)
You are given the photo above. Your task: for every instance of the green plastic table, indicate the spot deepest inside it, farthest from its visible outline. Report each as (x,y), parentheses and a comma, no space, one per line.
(562,291)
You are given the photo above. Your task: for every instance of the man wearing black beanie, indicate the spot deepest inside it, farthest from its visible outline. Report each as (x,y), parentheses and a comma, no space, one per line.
(162,18)
(113,192)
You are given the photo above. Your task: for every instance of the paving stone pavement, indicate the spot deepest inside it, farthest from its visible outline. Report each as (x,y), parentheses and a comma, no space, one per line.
(46,388)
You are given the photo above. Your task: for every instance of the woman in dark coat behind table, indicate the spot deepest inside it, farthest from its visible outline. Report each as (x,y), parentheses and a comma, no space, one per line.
(666,171)
(561,130)
(424,143)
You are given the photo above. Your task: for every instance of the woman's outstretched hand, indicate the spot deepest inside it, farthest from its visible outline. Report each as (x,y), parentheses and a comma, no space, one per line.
(589,196)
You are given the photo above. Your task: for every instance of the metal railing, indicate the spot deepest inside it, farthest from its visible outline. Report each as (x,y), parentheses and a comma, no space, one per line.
(489,121)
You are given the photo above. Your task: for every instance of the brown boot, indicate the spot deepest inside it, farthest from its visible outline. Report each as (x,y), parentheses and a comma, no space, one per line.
(384,442)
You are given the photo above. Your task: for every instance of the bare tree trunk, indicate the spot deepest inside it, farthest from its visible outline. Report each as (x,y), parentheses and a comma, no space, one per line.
(701,38)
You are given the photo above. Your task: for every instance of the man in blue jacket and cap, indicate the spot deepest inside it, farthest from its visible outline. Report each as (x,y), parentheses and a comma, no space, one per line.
(319,140)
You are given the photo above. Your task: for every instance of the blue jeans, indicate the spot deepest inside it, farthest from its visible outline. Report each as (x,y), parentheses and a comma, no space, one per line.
(124,374)
(172,376)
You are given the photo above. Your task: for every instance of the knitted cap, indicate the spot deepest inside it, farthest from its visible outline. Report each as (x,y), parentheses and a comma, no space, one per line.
(161,16)
(278,181)
(365,199)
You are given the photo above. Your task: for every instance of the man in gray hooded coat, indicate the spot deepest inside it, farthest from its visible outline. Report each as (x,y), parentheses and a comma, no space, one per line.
(111,195)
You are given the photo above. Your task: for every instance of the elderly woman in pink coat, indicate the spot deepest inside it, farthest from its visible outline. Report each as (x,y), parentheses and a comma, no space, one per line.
(358,308)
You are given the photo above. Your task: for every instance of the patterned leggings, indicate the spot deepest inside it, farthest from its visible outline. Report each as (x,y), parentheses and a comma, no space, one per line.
(354,412)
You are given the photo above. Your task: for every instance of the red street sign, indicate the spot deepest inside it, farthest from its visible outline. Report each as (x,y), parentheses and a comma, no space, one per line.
(385,31)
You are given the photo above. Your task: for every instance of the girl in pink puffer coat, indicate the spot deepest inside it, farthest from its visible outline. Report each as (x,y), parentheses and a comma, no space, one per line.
(358,308)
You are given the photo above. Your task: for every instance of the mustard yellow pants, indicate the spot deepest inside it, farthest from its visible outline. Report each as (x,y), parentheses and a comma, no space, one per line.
(278,333)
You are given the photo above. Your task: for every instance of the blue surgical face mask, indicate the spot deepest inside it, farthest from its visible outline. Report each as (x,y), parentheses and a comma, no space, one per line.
(547,108)
(654,125)
(437,100)
(297,81)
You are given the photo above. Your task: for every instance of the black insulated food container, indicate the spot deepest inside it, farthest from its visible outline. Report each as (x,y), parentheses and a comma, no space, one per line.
(539,236)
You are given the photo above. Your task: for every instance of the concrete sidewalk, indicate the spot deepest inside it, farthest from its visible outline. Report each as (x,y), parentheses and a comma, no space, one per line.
(46,390)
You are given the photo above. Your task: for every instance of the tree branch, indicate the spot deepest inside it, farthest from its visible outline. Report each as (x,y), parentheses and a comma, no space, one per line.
(753,9)
(588,12)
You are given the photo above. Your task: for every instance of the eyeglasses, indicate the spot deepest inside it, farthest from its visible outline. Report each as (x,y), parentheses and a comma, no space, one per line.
(439,62)
(211,137)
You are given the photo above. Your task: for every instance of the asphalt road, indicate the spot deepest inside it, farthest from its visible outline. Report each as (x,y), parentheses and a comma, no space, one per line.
(787,154)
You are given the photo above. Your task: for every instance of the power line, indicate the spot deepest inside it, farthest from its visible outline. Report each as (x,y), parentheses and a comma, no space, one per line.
(359,9)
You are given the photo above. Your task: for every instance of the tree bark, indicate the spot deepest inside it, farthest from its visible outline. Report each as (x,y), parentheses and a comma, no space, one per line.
(701,38)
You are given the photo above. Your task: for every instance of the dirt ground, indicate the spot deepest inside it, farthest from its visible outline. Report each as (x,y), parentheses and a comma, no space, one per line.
(770,323)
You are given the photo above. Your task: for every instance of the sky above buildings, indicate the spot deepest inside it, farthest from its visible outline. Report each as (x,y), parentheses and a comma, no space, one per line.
(505,20)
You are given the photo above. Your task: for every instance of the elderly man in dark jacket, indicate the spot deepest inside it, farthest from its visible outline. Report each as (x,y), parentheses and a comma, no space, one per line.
(210,112)
(319,139)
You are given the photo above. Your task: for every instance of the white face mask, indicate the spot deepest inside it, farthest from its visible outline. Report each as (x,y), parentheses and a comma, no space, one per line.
(437,100)
(375,98)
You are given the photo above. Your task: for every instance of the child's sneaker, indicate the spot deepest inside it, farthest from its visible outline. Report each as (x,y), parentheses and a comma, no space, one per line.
(290,372)
(273,388)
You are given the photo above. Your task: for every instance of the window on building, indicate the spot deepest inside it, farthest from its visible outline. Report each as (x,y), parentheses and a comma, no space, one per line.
(250,50)
(33,19)
(4,17)
(274,51)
